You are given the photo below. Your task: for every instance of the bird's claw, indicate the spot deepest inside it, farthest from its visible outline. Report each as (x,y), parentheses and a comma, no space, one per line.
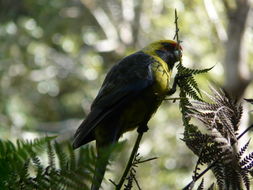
(175,83)
(142,129)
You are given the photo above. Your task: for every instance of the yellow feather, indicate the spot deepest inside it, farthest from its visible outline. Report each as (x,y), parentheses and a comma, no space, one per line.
(160,69)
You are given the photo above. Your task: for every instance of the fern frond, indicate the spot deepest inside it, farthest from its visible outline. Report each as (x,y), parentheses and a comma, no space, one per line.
(23,169)
(246,160)
(72,156)
(185,70)
(245,179)
(188,85)
(219,145)
(62,157)
(189,90)
(219,174)
(201,185)
(244,148)
(204,106)
(51,156)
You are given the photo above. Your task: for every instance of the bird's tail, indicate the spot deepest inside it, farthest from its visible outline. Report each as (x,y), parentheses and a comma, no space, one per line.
(100,167)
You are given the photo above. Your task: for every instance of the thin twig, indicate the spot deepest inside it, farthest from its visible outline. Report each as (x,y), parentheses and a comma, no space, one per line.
(174,99)
(113,182)
(130,161)
(135,180)
(245,131)
(212,164)
(176,36)
(177,29)
(147,160)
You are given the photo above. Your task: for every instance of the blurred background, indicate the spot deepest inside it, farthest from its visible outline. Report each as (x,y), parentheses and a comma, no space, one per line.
(54,55)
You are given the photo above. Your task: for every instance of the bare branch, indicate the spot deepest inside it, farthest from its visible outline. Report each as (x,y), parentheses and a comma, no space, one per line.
(176,37)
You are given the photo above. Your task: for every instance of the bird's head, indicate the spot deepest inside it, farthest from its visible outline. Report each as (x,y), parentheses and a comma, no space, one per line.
(168,50)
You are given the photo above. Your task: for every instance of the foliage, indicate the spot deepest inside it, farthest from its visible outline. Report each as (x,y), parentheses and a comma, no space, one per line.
(22,168)
(215,140)
(188,88)
(217,145)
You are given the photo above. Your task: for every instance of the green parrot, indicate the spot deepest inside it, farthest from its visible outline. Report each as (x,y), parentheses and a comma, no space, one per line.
(131,93)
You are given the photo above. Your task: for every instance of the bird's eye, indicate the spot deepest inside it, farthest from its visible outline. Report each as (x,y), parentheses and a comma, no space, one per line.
(178,54)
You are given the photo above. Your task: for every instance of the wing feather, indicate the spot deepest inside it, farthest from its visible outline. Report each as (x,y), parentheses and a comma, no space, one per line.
(125,81)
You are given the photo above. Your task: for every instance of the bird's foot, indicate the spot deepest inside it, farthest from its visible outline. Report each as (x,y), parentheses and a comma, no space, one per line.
(142,128)
(175,83)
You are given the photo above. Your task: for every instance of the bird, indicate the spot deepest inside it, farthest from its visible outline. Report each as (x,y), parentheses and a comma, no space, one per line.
(132,91)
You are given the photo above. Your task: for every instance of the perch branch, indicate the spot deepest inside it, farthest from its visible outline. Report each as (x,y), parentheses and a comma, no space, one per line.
(130,161)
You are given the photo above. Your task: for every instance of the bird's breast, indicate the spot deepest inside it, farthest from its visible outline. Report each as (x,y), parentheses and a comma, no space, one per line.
(145,105)
(140,110)
(161,77)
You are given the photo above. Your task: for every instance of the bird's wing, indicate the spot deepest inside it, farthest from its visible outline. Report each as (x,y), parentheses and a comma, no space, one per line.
(123,83)
(130,74)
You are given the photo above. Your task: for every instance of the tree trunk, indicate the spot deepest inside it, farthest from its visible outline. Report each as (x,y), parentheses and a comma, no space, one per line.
(237,74)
